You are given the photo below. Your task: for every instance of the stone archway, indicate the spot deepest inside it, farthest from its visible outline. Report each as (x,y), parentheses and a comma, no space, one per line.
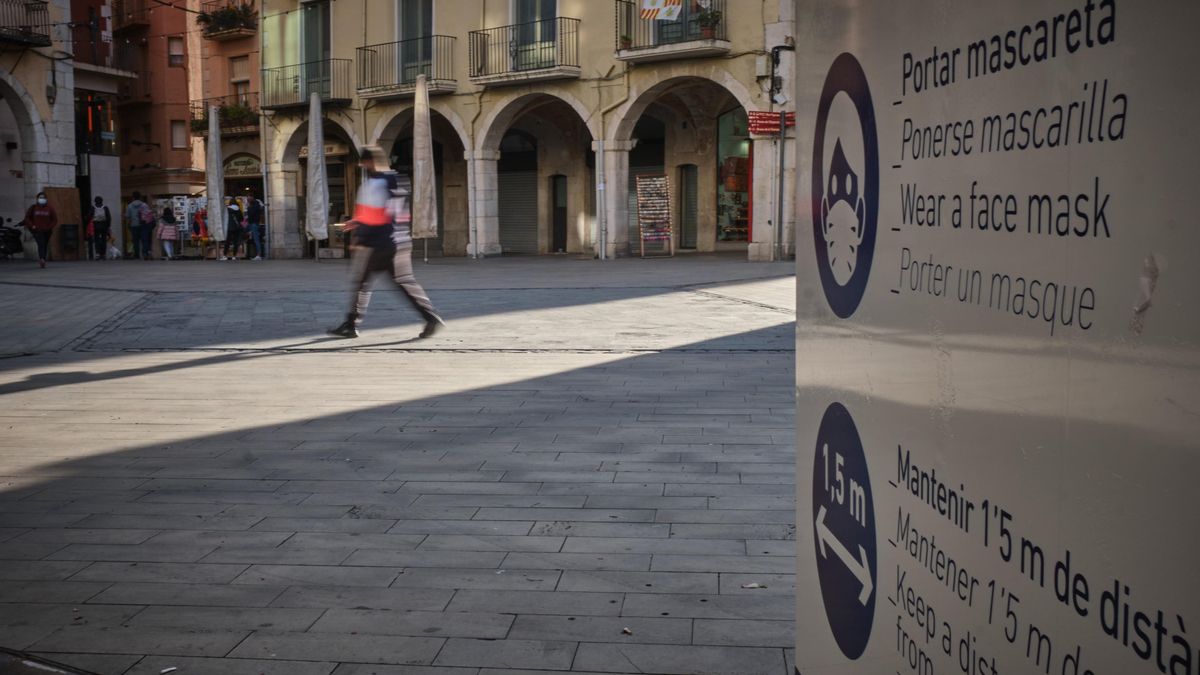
(734,171)
(35,171)
(451,140)
(564,129)
(284,183)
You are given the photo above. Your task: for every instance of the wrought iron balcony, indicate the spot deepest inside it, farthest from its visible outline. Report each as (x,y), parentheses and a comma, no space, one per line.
(291,86)
(136,91)
(538,50)
(25,23)
(223,20)
(130,14)
(391,69)
(237,114)
(698,31)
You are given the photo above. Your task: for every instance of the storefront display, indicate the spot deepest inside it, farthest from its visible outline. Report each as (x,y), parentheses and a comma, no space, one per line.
(733,177)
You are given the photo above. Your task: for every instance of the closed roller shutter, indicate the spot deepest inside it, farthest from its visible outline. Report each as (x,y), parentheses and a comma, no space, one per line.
(518,211)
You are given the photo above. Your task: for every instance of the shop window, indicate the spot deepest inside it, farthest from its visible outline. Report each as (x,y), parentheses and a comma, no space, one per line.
(175,51)
(179,135)
(734,177)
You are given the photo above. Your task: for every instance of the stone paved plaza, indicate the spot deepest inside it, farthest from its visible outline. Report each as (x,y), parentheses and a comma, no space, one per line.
(590,471)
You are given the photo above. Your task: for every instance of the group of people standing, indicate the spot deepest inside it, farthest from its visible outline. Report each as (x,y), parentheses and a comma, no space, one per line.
(145,226)
(241,229)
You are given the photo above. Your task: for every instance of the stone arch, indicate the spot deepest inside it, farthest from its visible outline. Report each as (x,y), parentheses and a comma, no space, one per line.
(298,137)
(388,129)
(628,114)
(503,114)
(33,138)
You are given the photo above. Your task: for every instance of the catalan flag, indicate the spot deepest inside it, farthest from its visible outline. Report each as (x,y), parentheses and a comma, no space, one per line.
(661,10)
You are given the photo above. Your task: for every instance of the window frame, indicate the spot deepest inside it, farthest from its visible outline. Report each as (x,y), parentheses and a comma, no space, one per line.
(186,136)
(172,56)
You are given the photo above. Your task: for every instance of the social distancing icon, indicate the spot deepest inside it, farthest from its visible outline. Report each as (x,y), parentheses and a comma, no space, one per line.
(844,531)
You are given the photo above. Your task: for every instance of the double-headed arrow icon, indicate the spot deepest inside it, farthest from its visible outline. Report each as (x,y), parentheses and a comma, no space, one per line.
(859,567)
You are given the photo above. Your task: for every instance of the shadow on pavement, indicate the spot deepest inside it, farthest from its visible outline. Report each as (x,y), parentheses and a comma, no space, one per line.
(518,521)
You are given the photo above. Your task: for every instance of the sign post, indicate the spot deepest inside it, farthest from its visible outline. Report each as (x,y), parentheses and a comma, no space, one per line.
(998,348)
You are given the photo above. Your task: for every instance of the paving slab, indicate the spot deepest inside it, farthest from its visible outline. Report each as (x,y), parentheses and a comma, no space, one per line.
(241,494)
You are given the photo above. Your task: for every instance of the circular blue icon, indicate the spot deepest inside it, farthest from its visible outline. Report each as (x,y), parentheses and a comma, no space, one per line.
(844,531)
(845,197)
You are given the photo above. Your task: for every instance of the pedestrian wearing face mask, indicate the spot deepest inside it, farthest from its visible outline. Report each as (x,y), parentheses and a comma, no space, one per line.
(41,220)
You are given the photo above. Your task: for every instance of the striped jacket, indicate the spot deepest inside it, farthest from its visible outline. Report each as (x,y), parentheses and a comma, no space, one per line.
(382,211)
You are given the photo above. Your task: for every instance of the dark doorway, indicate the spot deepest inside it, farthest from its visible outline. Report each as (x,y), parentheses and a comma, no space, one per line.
(558,191)
(688,205)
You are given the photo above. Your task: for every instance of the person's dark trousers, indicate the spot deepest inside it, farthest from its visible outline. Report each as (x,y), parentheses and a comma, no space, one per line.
(42,237)
(100,241)
(232,240)
(396,263)
(256,230)
(135,240)
(146,234)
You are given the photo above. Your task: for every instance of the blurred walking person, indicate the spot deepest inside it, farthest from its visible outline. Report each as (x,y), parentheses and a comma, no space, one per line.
(254,225)
(41,219)
(101,226)
(168,232)
(233,230)
(141,226)
(381,232)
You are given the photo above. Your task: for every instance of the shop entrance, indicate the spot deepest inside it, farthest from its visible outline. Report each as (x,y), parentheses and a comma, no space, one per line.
(558,192)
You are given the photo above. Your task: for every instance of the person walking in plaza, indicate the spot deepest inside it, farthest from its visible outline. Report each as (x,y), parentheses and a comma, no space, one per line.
(233,230)
(141,222)
(381,232)
(41,220)
(101,227)
(168,232)
(254,225)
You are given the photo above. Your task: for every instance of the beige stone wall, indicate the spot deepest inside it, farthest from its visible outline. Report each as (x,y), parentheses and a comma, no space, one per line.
(607,98)
(45,130)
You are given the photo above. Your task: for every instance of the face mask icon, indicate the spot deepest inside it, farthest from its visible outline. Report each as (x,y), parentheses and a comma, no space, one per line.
(842,217)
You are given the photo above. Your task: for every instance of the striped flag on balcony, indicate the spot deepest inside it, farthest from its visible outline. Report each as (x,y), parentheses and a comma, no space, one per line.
(661,10)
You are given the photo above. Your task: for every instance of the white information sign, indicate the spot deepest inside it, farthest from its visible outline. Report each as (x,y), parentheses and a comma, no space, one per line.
(998,338)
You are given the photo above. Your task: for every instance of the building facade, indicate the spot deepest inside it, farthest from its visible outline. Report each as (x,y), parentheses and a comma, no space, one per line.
(544,113)
(37,103)
(228,47)
(99,84)
(156,41)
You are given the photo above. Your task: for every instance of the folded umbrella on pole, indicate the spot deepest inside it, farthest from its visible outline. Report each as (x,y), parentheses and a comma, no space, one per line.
(215,179)
(425,209)
(317,215)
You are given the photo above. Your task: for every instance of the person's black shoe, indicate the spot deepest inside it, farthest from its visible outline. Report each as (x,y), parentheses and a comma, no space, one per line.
(346,330)
(432,325)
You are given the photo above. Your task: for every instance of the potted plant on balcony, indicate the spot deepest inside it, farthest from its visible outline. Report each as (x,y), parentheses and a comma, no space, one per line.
(708,19)
(228,18)
(626,41)
(238,115)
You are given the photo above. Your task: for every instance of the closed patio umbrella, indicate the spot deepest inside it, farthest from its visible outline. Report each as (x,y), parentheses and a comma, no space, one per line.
(215,179)
(425,210)
(317,213)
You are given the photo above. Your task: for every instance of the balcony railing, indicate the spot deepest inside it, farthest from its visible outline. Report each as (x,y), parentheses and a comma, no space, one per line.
(130,14)
(291,86)
(222,20)
(236,114)
(391,69)
(528,51)
(24,22)
(135,91)
(698,31)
